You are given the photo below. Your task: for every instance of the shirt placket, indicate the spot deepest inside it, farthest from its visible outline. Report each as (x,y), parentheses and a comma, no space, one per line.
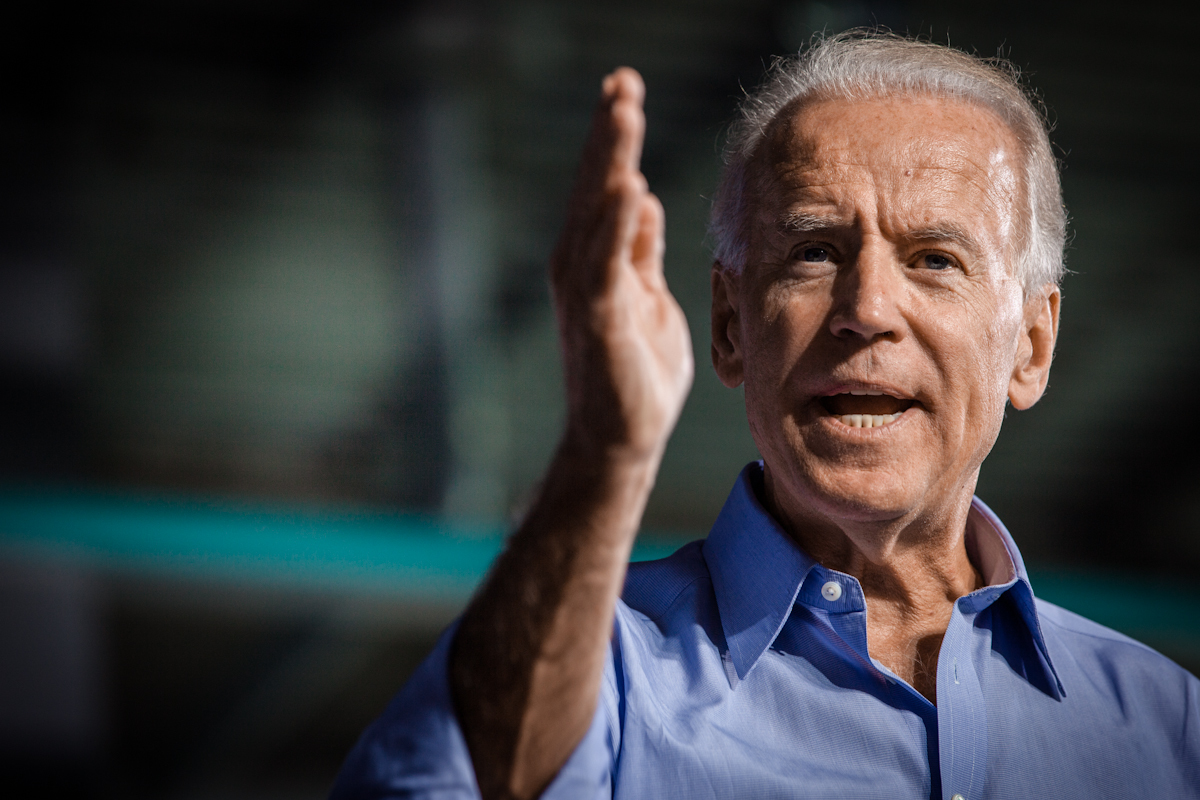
(962,716)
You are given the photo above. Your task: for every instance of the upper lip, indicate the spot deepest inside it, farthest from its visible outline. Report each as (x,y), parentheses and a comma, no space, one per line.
(861,387)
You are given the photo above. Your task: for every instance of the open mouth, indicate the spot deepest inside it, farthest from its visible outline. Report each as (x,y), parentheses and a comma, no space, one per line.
(865,408)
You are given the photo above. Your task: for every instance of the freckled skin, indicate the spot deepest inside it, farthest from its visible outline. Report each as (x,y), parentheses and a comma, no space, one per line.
(881,253)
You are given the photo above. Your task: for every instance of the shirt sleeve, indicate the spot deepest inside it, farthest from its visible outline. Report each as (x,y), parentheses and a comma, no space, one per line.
(416,748)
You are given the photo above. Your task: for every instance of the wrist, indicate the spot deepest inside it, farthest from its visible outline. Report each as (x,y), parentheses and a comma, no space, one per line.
(598,491)
(593,448)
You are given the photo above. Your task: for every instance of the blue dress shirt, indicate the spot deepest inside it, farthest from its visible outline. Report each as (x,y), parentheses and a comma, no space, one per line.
(740,669)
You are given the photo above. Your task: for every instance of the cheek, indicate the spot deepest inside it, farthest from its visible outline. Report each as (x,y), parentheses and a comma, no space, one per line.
(994,359)
(790,317)
(978,348)
(776,334)
(1004,330)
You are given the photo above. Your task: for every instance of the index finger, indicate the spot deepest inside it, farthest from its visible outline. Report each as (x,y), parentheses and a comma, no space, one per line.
(614,144)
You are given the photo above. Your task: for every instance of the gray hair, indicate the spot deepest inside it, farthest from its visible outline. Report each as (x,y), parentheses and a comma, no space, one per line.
(861,64)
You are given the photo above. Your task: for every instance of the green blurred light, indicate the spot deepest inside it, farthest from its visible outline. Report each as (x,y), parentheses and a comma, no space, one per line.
(425,558)
(422,559)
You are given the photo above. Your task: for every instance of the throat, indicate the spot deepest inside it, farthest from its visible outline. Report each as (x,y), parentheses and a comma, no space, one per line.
(913,660)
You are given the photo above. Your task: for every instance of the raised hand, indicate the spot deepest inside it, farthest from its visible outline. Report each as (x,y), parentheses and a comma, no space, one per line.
(626,349)
(529,655)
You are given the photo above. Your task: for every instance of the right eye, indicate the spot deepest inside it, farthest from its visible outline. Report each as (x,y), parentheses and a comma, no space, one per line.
(815,254)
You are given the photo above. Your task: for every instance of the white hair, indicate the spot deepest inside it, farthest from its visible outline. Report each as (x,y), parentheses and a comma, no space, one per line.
(863,64)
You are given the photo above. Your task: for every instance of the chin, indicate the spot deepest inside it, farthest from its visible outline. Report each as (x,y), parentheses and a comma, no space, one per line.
(860,495)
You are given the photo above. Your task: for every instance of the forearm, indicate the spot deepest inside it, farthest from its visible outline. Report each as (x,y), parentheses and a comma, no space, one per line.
(529,655)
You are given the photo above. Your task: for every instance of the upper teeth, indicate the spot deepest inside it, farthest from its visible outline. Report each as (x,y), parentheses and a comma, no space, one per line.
(868,420)
(870,392)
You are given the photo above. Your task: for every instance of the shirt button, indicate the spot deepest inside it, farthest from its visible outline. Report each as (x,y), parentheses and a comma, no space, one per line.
(831,591)
(958,797)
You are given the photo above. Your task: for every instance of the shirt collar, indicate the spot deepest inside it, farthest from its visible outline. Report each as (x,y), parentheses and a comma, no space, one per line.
(757,572)
(993,551)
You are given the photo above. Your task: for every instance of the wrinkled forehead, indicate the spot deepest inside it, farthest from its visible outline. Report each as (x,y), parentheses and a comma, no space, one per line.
(921,152)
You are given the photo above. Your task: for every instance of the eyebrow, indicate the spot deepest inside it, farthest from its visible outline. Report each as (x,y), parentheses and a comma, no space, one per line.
(805,222)
(946,232)
(808,222)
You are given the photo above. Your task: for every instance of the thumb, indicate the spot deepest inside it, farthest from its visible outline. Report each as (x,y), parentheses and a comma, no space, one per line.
(649,242)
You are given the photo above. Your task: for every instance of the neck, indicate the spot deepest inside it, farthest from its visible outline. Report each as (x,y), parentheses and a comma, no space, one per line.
(912,569)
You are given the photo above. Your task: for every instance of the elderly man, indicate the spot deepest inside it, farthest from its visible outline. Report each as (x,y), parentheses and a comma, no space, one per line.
(889,235)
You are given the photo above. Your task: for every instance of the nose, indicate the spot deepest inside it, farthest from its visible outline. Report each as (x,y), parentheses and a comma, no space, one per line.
(867,295)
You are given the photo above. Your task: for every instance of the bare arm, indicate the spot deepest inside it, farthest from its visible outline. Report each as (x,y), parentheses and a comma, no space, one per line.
(529,655)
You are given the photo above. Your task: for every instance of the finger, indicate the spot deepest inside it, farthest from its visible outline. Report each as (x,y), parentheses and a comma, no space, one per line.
(618,229)
(628,117)
(649,242)
(607,168)
(614,144)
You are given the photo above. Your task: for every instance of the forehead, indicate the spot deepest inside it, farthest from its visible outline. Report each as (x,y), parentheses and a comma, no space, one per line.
(917,155)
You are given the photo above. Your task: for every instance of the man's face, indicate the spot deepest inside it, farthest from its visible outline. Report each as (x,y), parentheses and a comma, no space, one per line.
(878,326)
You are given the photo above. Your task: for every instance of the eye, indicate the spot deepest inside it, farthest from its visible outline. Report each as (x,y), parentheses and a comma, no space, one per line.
(936,261)
(814,254)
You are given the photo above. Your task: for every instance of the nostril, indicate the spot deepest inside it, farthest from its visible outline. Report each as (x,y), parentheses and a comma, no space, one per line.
(869,322)
(851,329)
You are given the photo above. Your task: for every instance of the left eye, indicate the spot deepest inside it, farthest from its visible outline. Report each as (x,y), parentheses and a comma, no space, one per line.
(936,261)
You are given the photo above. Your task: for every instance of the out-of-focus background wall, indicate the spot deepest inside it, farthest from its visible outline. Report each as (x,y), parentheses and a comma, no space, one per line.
(278,364)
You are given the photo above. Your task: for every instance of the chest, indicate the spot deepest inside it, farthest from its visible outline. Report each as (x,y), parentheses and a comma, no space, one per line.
(810,720)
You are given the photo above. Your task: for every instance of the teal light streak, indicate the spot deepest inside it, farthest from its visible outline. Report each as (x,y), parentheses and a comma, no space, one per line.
(422,559)
(426,558)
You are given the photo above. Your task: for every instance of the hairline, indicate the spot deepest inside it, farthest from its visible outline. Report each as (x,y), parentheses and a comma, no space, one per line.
(832,69)
(799,105)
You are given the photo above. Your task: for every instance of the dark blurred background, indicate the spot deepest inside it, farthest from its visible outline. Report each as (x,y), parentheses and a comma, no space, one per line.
(278,365)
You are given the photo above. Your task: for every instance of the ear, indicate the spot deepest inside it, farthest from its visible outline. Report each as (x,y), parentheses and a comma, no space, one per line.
(1035,351)
(726,326)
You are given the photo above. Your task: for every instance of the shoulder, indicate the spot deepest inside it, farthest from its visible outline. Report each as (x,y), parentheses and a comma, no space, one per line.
(653,588)
(415,748)
(668,640)
(1087,635)
(1112,660)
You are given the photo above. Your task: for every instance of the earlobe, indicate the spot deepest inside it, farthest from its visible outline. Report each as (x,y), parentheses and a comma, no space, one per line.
(726,330)
(1035,351)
